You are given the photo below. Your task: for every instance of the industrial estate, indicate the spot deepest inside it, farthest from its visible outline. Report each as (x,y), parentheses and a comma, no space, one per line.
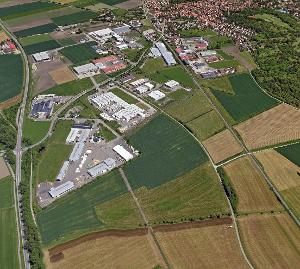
(149,134)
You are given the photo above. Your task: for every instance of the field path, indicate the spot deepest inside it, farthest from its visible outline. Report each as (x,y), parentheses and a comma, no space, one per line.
(151,232)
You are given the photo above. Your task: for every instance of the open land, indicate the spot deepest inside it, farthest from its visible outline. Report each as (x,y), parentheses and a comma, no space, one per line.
(40,130)
(270,240)
(222,146)
(8,229)
(129,4)
(277,125)
(3,36)
(251,188)
(62,75)
(4,172)
(211,246)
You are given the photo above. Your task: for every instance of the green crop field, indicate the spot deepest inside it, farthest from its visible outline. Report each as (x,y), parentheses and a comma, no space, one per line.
(48,166)
(248,99)
(189,108)
(197,32)
(81,211)
(80,53)
(41,29)
(11,78)
(291,152)
(40,130)
(206,125)
(123,95)
(30,40)
(220,84)
(8,229)
(66,41)
(167,152)
(41,46)
(26,9)
(71,88)
(74,18)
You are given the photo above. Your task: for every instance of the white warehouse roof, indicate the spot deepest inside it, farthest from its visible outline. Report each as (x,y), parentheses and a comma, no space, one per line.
(86,68)
(76,152)
(157,95)
(61,189)
(172,84)
(63,171)
(123,152)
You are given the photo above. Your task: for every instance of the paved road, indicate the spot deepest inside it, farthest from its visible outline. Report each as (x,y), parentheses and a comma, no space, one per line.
(18,149)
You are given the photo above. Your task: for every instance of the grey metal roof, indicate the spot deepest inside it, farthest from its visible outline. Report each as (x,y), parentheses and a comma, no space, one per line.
(76,152)
(63,171)
(61,189)
(100,168)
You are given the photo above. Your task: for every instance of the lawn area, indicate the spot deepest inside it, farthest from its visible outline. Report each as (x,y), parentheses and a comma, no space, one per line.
(100,78)
(30,40)
(8,229)
(152,65)
(197,32)
(107,134)
(220,84)
(37,30)
(80,53)
(41,46)
(291,152)
(34,131)
(248,99)
(123,95)
(189,108)
(88,110)
(74,18)
(71,88)
(85,210)
(225,64)
(11,79)
(48,166)
(206,125)
(167,152)
(224,55)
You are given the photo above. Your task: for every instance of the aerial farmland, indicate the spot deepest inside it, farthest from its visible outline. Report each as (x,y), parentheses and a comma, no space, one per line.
(149,134)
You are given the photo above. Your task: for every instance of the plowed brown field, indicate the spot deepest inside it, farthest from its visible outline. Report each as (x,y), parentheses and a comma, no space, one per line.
(62,75)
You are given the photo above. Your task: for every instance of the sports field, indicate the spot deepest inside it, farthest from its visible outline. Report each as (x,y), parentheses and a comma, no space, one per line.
(167,152)
(11,79)
(206,125)
(37,30)
(75,214)
(292,152)
(41,46)
(189,108)
(270,240)
(254,195)
(285,176)
(222,146)
(248,99)
(40,130)
(8,229)
(134,251)
(48,166)
(80,53)
(213,245)
(275,126)
(74,18)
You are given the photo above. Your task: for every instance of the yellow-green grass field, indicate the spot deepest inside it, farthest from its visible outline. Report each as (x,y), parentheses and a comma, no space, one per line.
(34,131)
(8,226)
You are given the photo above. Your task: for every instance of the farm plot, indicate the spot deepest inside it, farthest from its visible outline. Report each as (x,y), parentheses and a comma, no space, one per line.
(75,214)
(284,174)
(210,245)
(167,152)
(74,18)
(62,75)
(189,108)
(11,79)
(206,125)
(8,229)
(292,152)
(3,36)
(222,146)
(196,194)
(26,9)
(271,241)
(252,190)
(41,46)
(30,40)
(37,30)
(277,125)
(4,172)
(248,99)
(133,247)
(80,53)
(40,130)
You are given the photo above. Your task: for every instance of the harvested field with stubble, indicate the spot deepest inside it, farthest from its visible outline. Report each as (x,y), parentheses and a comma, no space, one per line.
(271,241)
(277,125)
(205,246)
(62,75)
(4,172)
(222,146)
(251,188)
(134,249)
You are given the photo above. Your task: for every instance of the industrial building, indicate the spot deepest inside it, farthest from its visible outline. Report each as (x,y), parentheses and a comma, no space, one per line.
(76,152)
(63,171)
(109,64)
(78,133)
(42,109)
(102,167)
(157,95)
(126,155)
(172,85)
(86,69)
(167,55)
(61,189)
(41,56)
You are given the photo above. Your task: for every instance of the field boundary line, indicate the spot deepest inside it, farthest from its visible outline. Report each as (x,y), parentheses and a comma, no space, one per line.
(30,191)
(144,218)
